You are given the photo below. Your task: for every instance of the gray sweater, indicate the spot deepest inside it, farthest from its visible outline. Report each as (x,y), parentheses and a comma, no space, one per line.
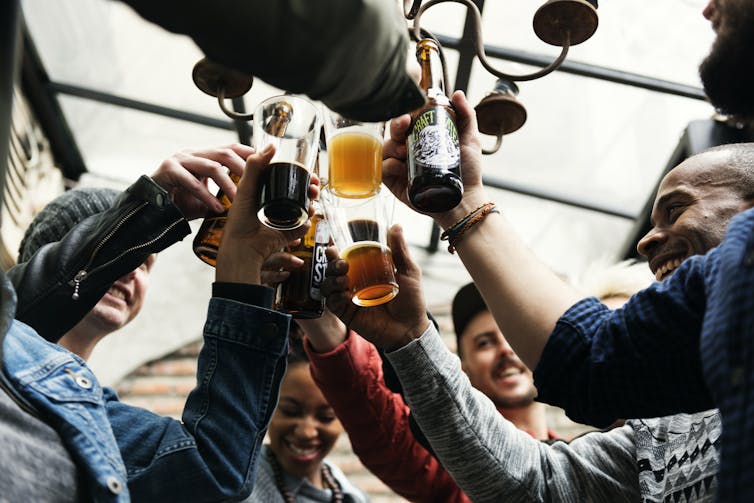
(644,460)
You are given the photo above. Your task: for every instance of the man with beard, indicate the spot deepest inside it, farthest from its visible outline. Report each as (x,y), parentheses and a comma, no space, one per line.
(727,72)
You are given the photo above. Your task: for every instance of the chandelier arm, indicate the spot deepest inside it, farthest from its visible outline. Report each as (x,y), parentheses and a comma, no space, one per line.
(498,142)
(479,43)
(410,9)
(227,111)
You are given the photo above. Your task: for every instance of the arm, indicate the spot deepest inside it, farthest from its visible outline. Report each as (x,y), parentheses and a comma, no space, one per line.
(213,454)
(349,373)
(148,217)
(475,443)
(349,54)
(642,360)
(525,297)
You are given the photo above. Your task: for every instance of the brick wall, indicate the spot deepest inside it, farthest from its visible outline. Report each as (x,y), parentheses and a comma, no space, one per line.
(162,386)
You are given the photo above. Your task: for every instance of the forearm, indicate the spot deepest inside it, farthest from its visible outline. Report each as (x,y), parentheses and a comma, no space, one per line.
(525,296)
(211,455)
(474,442)
(376,420)
(92,256)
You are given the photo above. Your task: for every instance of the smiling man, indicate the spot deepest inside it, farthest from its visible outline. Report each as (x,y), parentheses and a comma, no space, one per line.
(695,202)
(493,367)
(123,300)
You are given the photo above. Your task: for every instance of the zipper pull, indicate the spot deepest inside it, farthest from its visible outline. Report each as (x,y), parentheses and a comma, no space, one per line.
(76,282)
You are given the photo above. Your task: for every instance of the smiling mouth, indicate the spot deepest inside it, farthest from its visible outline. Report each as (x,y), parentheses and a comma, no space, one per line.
(668,267)
(117,293)
(302,452)
(506,372)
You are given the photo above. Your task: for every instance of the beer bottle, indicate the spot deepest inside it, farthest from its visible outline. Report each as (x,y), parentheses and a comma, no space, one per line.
(434,155)
(207,240)
(300,295)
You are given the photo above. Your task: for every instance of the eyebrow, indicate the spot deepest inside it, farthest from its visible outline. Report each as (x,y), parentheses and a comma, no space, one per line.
(663,200)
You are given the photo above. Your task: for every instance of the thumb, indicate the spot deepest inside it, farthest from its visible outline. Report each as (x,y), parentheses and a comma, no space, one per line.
(401,257)
(248,186)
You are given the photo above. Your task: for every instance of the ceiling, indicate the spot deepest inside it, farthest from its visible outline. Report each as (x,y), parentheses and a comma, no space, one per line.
(124,90)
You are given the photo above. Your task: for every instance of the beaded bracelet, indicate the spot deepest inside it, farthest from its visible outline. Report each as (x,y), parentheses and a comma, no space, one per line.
(454,233)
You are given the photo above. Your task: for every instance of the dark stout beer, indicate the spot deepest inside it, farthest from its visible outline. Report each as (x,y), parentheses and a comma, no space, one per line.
(284,195)
(434,154)
(207,239)
(300,295)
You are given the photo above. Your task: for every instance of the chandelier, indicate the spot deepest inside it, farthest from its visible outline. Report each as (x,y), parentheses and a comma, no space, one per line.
(562,23)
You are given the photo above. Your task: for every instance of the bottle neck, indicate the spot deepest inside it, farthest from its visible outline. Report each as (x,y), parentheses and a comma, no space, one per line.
(432,74)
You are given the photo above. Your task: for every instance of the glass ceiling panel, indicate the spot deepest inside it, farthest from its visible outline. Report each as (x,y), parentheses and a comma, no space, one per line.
(664,39)
(601,142)
(585,138)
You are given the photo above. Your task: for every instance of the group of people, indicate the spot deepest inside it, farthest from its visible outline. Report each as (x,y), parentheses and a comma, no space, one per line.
(665,370)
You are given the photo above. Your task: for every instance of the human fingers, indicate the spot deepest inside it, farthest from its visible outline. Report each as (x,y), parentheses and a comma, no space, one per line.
(282,260)
(404,264)
(174,176)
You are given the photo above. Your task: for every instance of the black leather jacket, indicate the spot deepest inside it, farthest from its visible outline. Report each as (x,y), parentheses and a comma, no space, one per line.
(64,280)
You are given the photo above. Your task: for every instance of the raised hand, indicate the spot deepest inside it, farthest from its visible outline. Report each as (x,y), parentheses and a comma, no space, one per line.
(185,175)
(395,166)
(276,268)
(390,325)
(246,243)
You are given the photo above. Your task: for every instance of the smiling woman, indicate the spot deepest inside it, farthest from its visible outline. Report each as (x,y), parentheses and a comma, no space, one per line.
(302,431)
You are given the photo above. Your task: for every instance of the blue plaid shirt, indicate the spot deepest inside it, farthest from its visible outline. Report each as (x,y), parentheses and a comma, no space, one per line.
(683,345)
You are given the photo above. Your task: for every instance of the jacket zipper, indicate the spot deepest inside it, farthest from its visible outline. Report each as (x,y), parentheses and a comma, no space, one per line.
(83,273)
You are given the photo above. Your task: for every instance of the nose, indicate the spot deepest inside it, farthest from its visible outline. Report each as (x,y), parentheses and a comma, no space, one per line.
(306,428)
(708,10)
(649,243)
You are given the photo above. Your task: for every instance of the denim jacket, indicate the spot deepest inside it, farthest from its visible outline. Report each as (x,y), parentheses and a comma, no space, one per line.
(211,454)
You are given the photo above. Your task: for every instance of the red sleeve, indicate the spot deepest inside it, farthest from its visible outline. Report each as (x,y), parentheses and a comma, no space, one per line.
(376,419)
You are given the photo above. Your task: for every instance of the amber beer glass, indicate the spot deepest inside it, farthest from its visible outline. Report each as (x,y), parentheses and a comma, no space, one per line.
(207,239)
(283,197)
(434,154)
(300,295)
(359,230)
(354,151)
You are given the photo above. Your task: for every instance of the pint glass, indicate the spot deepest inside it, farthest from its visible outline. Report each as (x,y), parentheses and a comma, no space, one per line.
(359,231)
(354,151)
(292,124)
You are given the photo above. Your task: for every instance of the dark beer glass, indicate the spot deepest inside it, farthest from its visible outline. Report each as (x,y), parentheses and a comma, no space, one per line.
(283,197)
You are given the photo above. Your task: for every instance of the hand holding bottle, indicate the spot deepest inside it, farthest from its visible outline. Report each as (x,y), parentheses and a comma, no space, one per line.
(185,175)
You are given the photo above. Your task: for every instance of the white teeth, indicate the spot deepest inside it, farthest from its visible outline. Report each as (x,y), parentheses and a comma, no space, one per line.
(301,452)
(509,372)
(668,267)
(117,293)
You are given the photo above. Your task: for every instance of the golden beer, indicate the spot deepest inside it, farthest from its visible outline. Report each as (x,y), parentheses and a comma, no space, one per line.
(355,163)
(371,273)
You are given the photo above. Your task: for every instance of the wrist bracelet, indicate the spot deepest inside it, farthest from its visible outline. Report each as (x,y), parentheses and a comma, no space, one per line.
(454,233)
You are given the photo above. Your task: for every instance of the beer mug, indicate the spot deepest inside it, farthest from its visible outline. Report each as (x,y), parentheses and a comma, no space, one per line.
(354,152)
(292,124)
(359,230)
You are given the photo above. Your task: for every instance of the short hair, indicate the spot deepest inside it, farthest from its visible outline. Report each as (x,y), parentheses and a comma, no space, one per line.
(741,165)
(467,303)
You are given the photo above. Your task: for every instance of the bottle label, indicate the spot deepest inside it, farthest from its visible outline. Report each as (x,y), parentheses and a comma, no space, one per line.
(319,261)
(433,141)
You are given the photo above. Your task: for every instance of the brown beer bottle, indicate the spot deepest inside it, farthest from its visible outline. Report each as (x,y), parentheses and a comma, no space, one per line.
(207,239)
(300,295)
(434,155)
